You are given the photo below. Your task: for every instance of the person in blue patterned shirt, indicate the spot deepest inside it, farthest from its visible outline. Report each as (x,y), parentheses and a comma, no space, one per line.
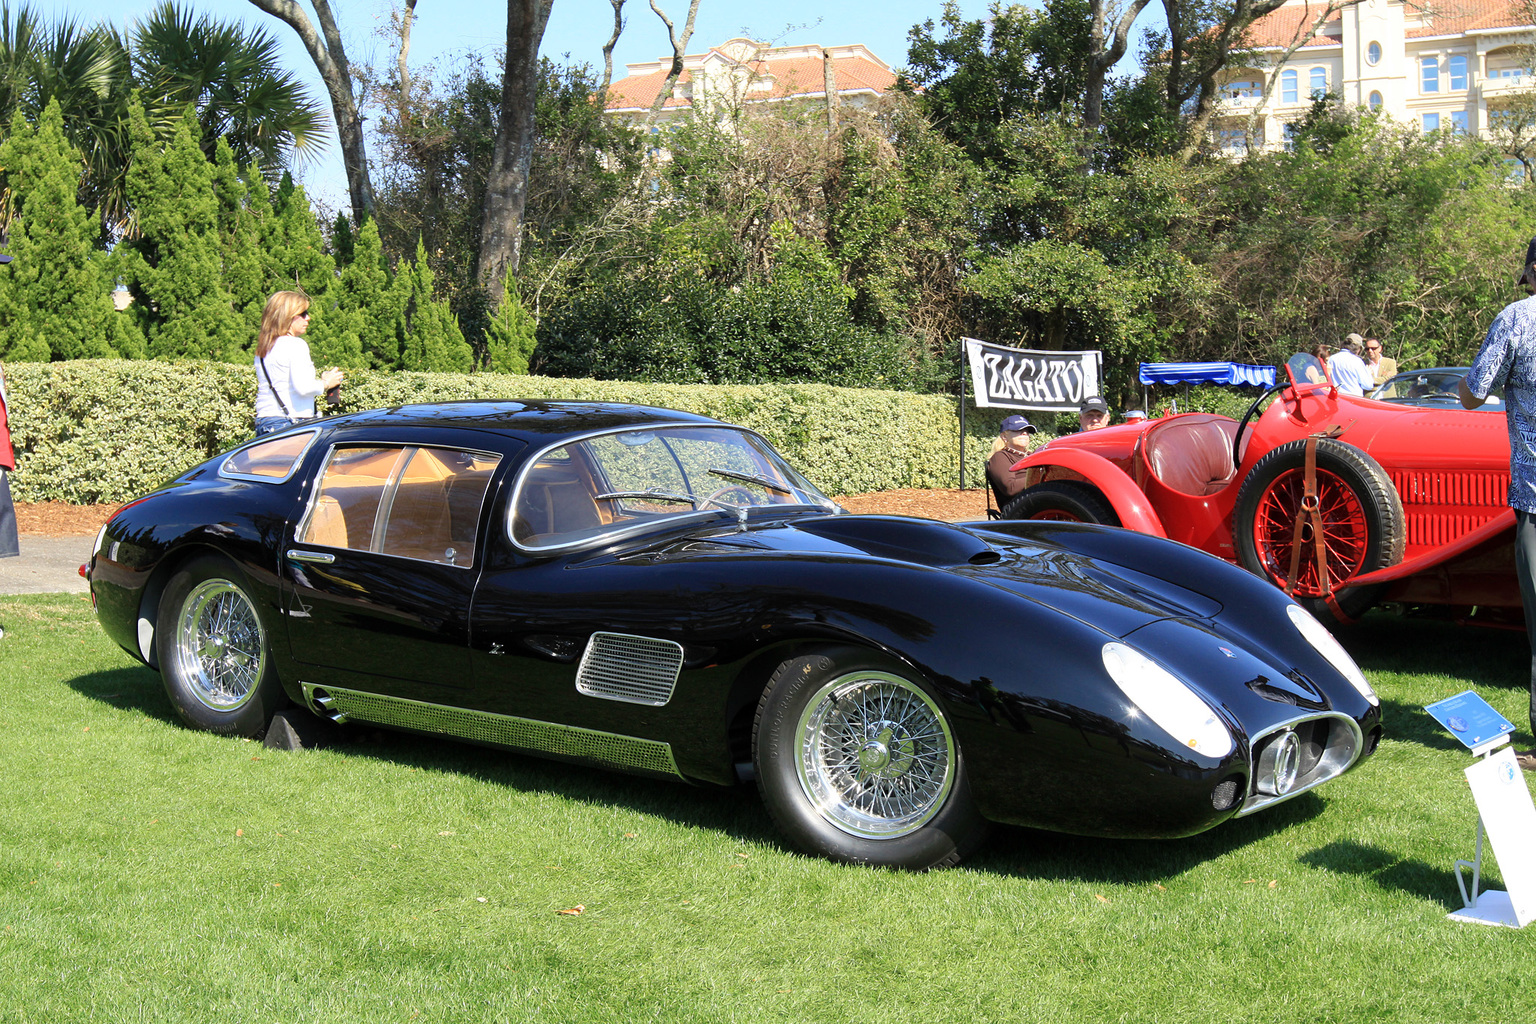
(1508,358)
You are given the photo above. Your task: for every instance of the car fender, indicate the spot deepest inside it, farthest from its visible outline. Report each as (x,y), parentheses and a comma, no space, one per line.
(1129,502)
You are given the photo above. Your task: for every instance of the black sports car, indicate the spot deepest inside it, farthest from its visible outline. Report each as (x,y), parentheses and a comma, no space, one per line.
(661,593)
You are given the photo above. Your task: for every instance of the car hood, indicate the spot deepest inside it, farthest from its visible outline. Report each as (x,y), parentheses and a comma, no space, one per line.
(1037,564)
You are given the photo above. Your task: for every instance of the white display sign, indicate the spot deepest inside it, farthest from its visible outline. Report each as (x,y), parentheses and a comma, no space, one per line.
(1509,818)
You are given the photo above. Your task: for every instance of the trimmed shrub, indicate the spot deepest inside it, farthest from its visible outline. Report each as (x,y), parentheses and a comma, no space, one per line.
(96,431)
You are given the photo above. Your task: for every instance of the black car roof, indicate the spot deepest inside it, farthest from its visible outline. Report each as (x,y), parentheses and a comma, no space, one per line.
(534,422)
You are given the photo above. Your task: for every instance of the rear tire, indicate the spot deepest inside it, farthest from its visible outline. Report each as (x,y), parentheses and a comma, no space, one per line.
(214,651)
(1362,522)
(1067,501)
(856,762)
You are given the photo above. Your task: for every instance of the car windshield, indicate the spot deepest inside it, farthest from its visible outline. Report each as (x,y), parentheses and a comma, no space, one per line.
(1425,387)
(623,482)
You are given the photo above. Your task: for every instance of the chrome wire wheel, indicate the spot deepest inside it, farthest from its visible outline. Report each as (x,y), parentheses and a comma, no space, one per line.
(875,755)
(220,648)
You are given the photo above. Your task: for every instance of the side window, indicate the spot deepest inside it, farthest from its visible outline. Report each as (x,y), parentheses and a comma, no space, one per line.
(401,500)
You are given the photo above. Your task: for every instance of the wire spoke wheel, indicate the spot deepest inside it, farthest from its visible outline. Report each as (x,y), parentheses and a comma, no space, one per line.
(1345,529)
(220,648)
(875,755)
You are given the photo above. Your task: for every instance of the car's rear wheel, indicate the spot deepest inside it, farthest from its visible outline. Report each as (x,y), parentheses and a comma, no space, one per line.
(213,649)
(857,762)
(1064,501)
(1360,513)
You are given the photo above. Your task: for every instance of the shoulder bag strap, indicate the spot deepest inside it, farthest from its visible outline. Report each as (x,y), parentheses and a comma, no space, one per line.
(280,403)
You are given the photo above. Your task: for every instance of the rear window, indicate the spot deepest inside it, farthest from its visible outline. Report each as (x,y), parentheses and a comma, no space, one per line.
(270,461)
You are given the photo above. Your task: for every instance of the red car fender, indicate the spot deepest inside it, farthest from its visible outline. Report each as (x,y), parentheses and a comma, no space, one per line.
(1129,502)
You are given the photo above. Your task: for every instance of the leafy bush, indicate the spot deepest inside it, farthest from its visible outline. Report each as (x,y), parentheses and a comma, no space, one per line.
(95,431)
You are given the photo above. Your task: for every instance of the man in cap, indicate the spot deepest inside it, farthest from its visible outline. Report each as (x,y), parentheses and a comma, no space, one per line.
(1010,445)
(1093,413)
(1508,357)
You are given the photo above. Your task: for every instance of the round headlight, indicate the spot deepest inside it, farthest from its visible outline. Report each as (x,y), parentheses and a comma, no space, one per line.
(1165,699)
(1323,642)
(1279,764)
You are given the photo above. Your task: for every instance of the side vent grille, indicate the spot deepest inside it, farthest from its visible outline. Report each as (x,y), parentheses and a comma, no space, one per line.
(634,669)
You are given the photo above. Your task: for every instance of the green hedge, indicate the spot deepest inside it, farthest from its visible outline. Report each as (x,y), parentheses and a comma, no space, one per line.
(97,431)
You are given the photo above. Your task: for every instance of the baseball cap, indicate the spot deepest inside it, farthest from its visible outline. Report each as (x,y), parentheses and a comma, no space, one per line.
(1530,257)
(1094,403)
(1018,423)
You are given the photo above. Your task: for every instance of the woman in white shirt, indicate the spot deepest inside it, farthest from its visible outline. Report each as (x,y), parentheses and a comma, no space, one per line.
(286,384)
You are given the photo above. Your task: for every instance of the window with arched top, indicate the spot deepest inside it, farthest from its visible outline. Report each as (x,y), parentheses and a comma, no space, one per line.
(1373,54)
(1375,101)
(1317,82)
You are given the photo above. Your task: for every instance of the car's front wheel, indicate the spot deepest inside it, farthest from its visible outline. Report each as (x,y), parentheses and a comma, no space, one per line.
(214,653)
(857,762)
(1064,501)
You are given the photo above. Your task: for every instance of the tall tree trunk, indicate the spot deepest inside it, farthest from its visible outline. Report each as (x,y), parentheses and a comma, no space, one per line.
(613,40)
(1106,53)
(506,187)
(330,59)
(407,16)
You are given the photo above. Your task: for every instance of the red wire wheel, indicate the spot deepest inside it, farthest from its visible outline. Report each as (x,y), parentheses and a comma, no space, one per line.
(1361,521)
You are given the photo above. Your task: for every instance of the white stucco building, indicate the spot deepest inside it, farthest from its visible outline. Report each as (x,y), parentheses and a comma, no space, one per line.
(1440,64)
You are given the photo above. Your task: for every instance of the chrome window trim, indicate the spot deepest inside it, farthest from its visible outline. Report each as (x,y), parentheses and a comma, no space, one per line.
(621,533)
(298,460)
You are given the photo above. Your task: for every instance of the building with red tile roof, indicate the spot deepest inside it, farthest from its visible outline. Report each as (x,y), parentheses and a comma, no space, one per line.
(1443,65)
(742,71)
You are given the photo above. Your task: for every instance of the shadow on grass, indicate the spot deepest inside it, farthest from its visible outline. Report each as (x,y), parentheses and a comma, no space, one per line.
(736,812)
(1030,853)
(1391,871)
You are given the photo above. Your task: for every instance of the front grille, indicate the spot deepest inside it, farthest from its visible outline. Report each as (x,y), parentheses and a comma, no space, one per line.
(1329,745)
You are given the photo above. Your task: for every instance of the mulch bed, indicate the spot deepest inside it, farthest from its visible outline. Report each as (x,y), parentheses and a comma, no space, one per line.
(59,519)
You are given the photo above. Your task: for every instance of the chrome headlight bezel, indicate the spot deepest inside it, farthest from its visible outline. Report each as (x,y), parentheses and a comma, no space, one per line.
(1168,701)
(1323,642)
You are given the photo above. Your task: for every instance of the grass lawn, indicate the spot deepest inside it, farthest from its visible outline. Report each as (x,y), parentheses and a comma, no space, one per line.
(149,873)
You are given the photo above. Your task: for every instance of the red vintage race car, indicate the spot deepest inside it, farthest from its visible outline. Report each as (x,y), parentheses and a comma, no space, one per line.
(1342,501)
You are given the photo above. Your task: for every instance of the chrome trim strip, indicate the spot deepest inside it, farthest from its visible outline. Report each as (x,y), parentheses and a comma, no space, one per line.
(1322,772)
(499,730)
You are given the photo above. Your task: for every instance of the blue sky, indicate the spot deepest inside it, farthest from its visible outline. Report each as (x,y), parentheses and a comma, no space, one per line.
(446,29)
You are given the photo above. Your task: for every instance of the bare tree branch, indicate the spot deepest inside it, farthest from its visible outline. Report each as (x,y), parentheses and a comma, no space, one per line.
(406,18)
(613,40)
(679,49)
(330,59)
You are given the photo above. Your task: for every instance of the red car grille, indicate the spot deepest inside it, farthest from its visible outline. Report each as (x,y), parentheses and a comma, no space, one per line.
(1442,505)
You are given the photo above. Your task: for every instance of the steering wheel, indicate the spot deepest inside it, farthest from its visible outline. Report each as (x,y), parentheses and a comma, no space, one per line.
(1237,438)
(738,495)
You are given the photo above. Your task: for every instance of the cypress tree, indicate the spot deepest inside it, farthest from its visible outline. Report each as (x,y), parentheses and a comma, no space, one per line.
(173,266)
(509,335)
(429,333)
(367,297)
(56,299)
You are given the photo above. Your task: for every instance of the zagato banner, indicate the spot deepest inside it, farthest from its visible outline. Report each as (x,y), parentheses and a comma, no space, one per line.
(1018,378)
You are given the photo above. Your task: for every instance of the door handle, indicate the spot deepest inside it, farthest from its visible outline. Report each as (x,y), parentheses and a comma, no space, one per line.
(319,557)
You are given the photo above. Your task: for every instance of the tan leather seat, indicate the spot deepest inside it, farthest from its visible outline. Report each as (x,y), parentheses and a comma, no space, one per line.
(1192,454)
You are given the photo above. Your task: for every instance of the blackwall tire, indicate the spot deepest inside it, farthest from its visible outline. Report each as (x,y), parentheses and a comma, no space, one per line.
(215,652)
(856,761)
(1362,521)
(1063,501)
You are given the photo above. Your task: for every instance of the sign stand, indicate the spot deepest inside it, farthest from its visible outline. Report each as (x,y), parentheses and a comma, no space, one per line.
(1505,816)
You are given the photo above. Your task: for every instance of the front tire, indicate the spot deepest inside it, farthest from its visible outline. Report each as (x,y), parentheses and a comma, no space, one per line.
(214,652)
(858,763)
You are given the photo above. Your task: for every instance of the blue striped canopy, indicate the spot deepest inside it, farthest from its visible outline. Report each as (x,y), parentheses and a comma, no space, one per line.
(1241,374)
